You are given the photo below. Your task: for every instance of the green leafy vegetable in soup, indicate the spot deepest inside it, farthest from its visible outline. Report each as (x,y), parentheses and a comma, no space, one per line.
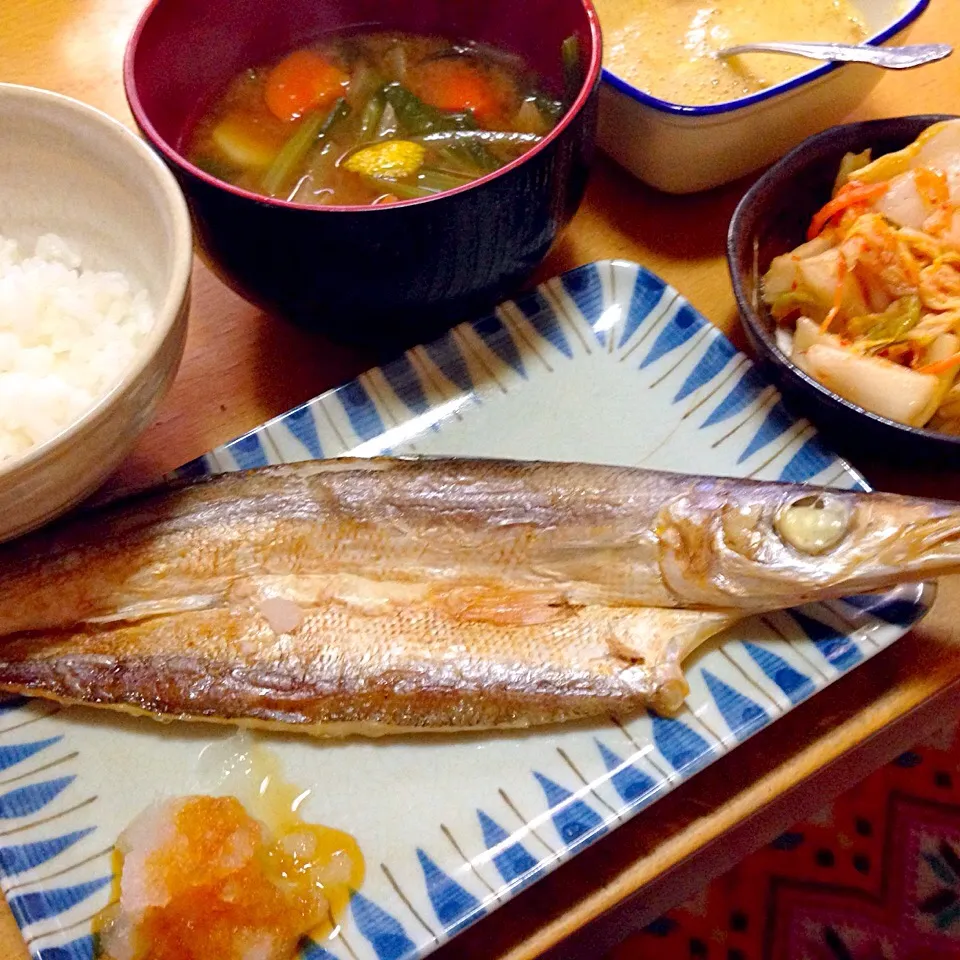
(369,118)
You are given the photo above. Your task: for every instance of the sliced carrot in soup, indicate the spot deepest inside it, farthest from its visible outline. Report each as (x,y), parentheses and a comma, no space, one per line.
(458,85)
(302,82)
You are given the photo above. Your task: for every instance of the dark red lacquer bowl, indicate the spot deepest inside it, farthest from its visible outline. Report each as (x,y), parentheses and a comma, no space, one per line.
(386,275)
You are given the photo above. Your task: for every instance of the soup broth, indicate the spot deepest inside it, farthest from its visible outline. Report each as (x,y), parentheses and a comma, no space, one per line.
(667,47)
(373,118)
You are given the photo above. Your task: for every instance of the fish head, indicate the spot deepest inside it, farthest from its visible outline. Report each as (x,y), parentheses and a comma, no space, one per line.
(764,547)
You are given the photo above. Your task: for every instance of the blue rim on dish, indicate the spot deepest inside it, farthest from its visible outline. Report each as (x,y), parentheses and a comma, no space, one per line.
(680,110)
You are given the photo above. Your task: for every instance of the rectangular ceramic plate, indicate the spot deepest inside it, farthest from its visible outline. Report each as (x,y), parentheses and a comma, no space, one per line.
(606,364)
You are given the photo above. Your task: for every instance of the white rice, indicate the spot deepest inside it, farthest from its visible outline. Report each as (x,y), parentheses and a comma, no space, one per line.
(67,336)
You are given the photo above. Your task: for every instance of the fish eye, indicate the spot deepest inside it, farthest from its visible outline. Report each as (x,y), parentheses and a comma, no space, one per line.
(813,524)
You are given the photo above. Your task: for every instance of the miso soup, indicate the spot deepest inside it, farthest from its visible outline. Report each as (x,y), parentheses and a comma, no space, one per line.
(373,118)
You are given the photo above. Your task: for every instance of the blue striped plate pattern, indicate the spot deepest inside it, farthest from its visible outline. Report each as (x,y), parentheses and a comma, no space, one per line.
(606,363)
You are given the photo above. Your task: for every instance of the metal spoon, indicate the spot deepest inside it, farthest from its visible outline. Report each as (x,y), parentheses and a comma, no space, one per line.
(891,58)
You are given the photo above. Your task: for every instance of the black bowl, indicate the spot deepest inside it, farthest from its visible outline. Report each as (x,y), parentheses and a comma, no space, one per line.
(772,219)
(384,276)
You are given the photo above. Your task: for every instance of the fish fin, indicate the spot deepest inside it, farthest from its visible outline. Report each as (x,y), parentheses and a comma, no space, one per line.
(658,640)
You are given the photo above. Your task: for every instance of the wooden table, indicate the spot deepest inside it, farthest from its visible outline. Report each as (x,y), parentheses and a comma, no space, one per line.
(242,367)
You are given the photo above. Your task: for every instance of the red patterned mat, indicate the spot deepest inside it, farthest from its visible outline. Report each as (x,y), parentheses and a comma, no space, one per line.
(876,876)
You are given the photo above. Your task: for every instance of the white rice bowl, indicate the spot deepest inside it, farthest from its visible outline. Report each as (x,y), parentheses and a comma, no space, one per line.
(67,337)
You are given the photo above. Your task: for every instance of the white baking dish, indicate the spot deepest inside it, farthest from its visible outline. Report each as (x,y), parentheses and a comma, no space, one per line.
(682,149)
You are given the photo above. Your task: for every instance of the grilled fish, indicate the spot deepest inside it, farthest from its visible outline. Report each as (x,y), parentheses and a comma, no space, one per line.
(395,595)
